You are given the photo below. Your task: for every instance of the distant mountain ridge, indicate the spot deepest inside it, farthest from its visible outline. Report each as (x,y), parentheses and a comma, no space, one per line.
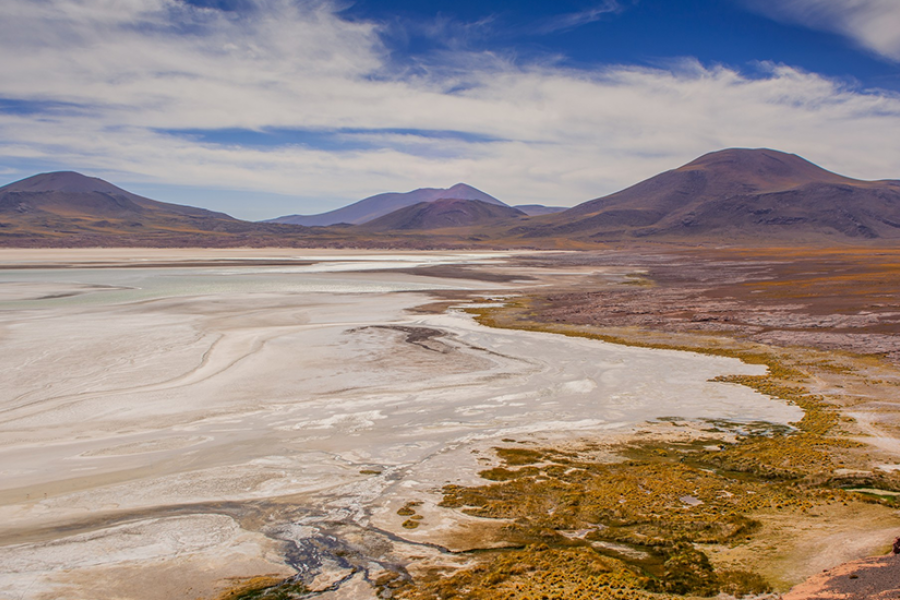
(740,196)
(735,194)
(379,205)
(442,214)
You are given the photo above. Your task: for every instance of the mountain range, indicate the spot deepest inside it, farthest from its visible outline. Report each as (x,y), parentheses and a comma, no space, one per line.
(379,205)
(754,196)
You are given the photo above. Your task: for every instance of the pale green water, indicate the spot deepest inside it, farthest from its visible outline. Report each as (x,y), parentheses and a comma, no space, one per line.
(72,287)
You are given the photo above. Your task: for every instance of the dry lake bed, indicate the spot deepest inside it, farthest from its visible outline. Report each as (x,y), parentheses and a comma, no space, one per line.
(176,421)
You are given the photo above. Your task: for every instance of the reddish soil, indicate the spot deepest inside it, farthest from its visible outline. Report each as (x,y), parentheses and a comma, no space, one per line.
(826,299)
(875,578)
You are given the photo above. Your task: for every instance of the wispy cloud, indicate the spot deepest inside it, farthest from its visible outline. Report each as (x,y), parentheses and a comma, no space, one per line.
(873,24)
(126,89)
(572,20)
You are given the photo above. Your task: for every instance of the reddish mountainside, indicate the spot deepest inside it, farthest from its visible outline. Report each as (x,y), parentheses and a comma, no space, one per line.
(442,214)
(736,193)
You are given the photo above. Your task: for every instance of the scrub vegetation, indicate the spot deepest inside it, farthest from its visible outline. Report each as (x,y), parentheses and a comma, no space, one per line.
(265,588)
(579,525)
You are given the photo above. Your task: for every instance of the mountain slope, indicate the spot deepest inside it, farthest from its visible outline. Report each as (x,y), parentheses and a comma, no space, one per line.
(382,204)
(534,210)
(442,214)
(71,194)
(736,194)
(68,205)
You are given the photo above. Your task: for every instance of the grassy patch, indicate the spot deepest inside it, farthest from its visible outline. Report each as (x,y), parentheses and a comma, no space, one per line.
(635,529)
(263,589)
(625,529)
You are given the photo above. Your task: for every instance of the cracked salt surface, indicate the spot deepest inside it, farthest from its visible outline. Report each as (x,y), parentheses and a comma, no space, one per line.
(216,401)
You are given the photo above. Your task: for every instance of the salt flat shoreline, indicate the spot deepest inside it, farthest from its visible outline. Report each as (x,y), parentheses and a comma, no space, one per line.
(16,257)
(205,434)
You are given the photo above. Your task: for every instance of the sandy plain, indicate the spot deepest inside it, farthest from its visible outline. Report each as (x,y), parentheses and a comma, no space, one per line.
(169,430)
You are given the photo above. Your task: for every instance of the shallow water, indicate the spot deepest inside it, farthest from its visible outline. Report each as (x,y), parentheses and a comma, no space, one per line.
(33,288)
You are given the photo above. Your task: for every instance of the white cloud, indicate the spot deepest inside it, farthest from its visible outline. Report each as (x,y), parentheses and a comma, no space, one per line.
(582,17)
(873,24)
(539,133)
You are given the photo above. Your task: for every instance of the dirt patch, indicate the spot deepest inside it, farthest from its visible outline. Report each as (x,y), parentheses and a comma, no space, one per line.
(828,299)
(869,579)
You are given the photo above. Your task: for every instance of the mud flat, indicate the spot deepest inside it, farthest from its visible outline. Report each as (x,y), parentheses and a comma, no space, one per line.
(209,423)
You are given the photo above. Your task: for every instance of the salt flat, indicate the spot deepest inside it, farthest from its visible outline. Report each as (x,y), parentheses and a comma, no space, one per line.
(210,421)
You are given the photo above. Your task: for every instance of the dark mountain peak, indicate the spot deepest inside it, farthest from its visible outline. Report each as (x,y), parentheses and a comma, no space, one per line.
(739,193)
(462,188)
(761,166)
(460,191)
(731,156)
(714,176)
(63,181)
(452,203)
(72,202)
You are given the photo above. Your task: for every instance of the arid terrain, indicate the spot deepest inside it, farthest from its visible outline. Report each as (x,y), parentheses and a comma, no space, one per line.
(334,425)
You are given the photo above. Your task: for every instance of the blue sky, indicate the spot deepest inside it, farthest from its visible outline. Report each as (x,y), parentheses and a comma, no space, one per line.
(267,107)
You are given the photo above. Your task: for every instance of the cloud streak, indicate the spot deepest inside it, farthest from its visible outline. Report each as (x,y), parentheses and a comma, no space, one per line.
(111,98)
(873,24)
(583,17)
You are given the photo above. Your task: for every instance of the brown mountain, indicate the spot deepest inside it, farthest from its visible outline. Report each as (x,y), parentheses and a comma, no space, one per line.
(67,200)
(69,206)
(735,194)
(443,214)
